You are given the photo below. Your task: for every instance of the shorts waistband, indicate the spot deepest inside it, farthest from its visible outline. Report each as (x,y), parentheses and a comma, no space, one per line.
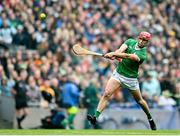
(127,78)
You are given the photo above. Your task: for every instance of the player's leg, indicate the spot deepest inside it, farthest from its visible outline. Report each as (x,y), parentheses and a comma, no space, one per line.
(137,96)
(111,87)
(69,121)
(24,113)
(19,113)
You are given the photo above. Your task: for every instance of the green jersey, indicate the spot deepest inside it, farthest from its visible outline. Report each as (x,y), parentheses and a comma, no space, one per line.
(127,67)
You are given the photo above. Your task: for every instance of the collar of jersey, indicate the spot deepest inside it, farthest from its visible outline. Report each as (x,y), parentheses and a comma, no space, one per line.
(139,48)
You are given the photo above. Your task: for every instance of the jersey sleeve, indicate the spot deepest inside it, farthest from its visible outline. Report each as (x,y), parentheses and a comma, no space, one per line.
(141,56)
(128,42)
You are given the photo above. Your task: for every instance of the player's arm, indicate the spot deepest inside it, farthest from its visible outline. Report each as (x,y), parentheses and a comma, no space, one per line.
(13,92)
(133,57)
(127,56)
(122,48)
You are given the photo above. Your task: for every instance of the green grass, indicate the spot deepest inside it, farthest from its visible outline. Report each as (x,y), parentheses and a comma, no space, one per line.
(88,132)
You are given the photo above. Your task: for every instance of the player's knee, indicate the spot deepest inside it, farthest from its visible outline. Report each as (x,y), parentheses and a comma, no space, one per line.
(141,101)
(107,95)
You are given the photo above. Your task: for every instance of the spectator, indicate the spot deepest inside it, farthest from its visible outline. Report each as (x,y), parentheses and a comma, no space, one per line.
(33,92)
(18,38)
(1,74)
(58,92)
(6,86)
(166,100)
(6,32)
(151,88)
(47,92)
(177,94)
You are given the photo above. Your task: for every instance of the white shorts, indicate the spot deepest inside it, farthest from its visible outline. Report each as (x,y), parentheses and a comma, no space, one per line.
(129,83)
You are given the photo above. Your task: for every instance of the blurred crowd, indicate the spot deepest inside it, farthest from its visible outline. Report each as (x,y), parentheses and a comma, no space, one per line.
(99,25)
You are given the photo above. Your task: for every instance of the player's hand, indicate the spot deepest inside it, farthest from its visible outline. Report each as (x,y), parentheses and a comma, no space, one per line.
(118,59)
(109,55)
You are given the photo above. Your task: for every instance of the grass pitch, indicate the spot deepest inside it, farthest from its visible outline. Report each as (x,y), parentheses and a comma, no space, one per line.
(90,132)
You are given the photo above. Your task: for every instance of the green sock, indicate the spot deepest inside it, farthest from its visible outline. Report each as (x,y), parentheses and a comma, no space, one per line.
(64,123)
(71,126)
(70,118)
(97,113)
